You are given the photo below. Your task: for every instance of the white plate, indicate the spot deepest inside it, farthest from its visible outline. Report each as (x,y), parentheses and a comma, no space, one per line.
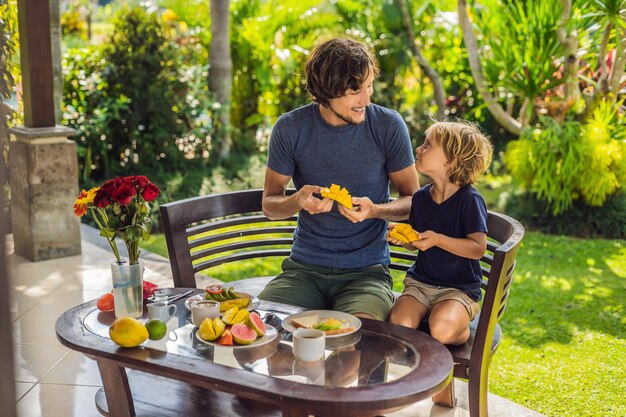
(254,302)
(270,334)
(348,320)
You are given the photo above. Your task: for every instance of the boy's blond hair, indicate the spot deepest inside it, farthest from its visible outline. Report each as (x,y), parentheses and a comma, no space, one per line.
(467,149)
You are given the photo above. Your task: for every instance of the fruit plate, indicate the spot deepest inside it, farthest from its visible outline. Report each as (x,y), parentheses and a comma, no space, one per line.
(254,301)
(348,320)
(268,337)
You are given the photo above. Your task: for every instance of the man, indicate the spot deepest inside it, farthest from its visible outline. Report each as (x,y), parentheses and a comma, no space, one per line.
(339,257)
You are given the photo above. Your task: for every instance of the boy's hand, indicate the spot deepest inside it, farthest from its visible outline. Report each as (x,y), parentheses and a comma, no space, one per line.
(397,242)
(363,209)
(312,204)
(427,240)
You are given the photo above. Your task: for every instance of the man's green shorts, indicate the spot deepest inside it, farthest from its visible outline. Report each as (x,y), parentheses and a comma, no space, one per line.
(366,290)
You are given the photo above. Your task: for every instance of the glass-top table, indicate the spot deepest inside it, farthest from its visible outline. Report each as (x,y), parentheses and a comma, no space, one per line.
(379,368)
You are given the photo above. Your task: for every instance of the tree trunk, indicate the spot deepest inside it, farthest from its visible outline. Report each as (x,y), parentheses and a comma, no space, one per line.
(501,116)
(569,41)
(221,73)
(619,63)
(609,80)
(57,70)
(431,73)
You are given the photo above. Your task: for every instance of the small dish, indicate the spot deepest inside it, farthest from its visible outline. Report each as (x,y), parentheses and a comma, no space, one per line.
(348,320)
(254,301)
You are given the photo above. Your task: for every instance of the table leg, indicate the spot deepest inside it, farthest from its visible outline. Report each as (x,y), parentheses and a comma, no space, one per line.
(446,397)
(116,389)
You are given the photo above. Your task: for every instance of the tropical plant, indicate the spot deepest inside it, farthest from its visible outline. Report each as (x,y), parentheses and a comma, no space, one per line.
(72,23)
(270,42)
(549,162)
(521,56)
(84,110)
(606,23)
(563,163)
(8,69)
(558,65)
(417,49)
(137,104)
(429,70)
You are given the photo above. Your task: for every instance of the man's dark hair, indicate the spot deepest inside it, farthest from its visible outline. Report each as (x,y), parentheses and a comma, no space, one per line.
(336,66)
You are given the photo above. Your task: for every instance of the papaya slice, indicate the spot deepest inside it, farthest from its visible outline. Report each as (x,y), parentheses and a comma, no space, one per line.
(339,194)
(241,302)
(226,339)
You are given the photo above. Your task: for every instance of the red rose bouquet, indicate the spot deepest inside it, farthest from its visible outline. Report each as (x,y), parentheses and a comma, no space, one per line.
(120,207)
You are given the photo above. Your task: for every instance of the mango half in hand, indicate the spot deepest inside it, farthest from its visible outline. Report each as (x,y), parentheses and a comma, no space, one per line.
(339,194)
(404,233)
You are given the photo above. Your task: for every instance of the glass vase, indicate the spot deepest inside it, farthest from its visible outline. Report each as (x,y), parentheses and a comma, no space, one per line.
(127,288)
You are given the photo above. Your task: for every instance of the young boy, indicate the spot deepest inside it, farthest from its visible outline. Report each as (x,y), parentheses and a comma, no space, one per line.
(451,216)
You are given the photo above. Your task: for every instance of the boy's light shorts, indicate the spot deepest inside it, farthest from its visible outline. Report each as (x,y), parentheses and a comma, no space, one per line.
(430,295)
(365,290)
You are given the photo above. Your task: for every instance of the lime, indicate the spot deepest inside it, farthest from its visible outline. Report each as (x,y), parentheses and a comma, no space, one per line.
(156,329)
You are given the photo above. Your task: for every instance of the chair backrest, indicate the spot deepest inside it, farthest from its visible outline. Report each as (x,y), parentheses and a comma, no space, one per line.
(505,237)
(206,231)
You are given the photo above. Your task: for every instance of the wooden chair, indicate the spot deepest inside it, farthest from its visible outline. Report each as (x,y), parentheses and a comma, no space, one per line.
(206,231)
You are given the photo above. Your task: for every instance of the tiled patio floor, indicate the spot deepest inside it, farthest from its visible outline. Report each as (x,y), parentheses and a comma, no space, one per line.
(53,381)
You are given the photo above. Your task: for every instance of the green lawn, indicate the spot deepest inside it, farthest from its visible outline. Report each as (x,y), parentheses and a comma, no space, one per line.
(564,341)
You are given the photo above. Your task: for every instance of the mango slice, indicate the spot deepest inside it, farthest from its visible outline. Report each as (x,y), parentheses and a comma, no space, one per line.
(398,236)
(235,315)
(404,233)
(339,194)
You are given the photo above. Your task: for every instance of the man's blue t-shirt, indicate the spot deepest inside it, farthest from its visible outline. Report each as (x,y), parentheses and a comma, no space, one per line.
(357,157)
(463,213)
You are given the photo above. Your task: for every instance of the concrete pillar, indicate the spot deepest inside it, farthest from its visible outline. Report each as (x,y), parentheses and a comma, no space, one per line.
(44,184)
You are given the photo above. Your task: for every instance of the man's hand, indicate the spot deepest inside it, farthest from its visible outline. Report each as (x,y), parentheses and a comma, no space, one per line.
(312,204)
(363,209)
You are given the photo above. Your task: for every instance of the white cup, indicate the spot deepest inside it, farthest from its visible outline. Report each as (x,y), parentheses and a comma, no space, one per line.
(204,309)
(309,344)
(159,296)
(161,311)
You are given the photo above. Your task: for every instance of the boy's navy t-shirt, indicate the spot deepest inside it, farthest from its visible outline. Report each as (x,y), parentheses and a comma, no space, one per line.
(357,157)
(463,213)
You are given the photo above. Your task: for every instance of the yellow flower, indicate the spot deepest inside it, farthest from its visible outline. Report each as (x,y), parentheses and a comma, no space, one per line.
(169,16)
(84,199)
